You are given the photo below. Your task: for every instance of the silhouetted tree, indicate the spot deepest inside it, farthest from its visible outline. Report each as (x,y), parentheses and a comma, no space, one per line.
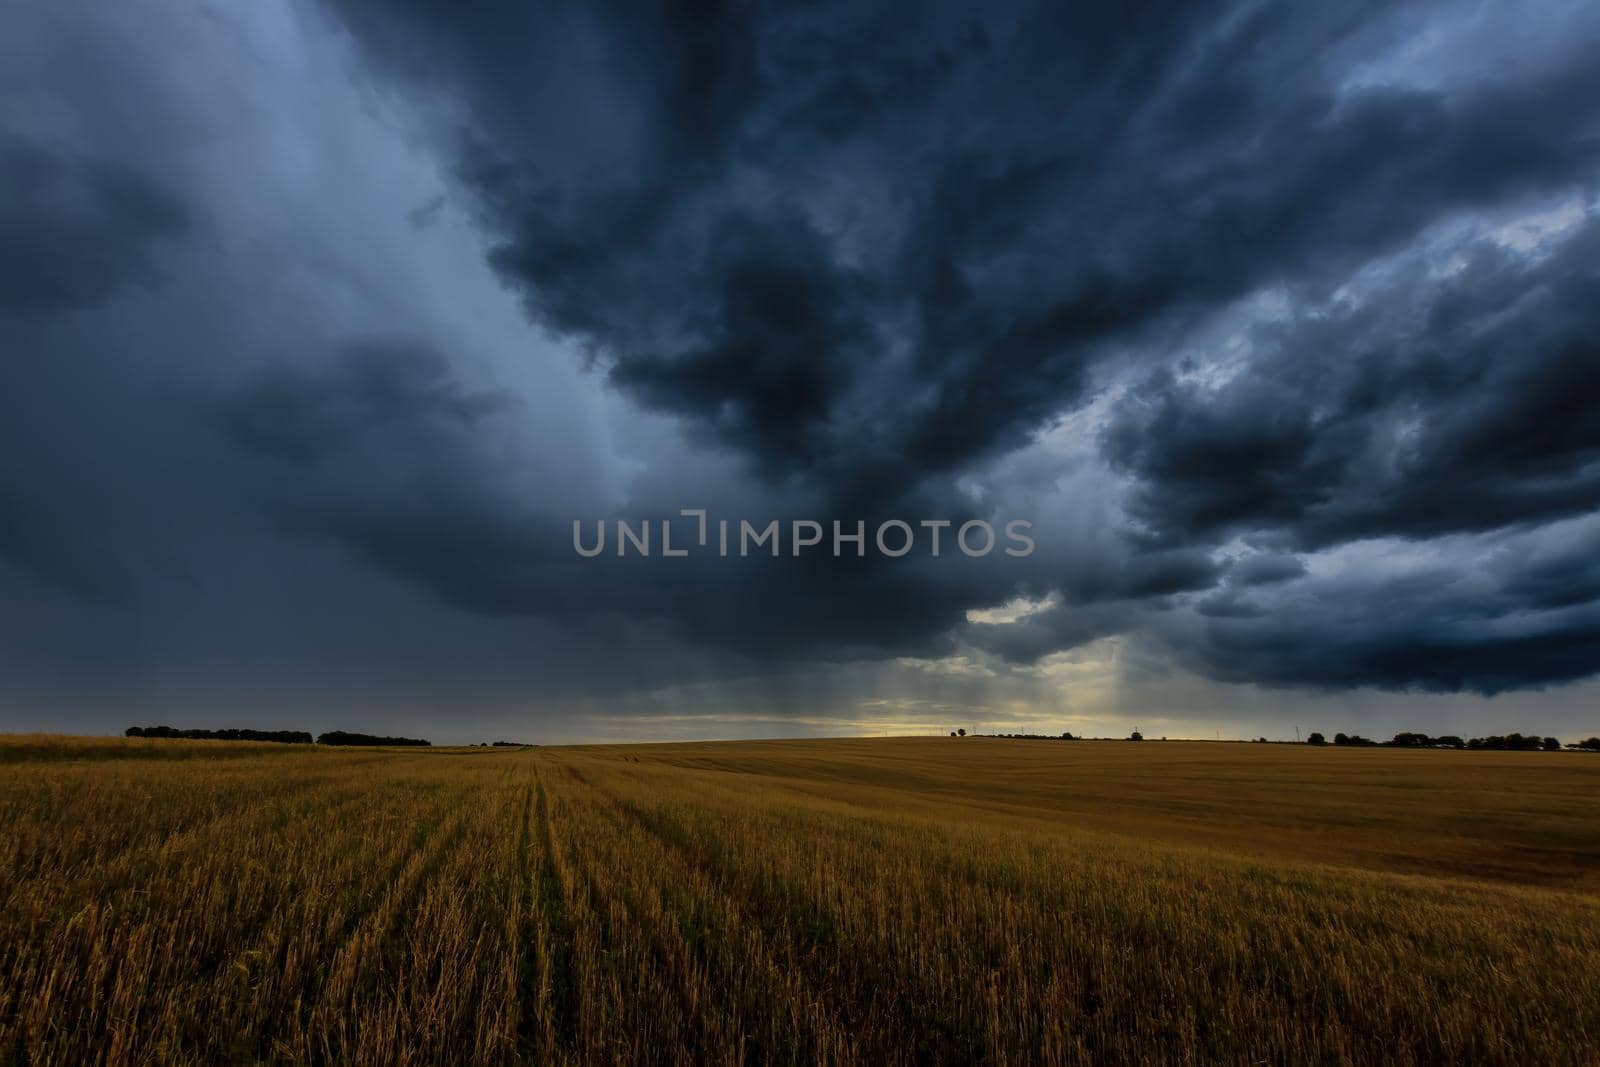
(340,737)
(1508,743)
(1136,736)
(961,732)
(1496,742)
(287,737)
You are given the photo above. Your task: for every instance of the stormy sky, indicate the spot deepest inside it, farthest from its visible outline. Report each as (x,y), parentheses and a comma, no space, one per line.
(321,322)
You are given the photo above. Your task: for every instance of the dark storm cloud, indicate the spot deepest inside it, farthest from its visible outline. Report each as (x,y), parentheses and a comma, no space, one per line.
(1417,652)
(48,541)
(1439,406)
(870,245)
(1524,613)
(1265,568)
(301,415)
(1217,295)
(381,450)
(1053,630)
(74,230)
(869,250)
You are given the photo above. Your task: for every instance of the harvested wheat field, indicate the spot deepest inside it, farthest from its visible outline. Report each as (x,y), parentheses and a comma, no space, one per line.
(873,901)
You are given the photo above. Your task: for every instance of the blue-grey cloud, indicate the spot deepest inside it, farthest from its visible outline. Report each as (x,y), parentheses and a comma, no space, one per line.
(1278,323)
(76,230)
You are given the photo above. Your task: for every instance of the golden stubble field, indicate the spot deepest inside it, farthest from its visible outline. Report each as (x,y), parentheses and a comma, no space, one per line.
(872,901)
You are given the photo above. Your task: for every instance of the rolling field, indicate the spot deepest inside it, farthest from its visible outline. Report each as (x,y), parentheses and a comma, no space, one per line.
(869,901)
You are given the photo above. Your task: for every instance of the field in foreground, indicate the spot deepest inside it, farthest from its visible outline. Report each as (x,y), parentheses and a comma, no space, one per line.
(830,901)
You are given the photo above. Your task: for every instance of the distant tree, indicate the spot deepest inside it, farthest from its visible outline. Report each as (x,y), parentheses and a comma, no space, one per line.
(1552,744)
(1066,735)
(287,737)
(1316,739)
(1508,743)
(1410,740)
(340,737)
(1341,738)
(1591,744)
(962,732)
(1136,736)
(1449,741)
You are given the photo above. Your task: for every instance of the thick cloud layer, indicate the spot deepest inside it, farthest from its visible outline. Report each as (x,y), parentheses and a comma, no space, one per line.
(854,245)
(75,230)
(1435,405)
(320,325)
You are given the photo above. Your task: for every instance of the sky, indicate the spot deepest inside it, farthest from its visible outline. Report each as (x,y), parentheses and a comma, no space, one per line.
(323,323)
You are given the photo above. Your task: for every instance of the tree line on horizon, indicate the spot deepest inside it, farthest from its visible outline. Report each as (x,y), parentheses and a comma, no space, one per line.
(1513,742)
(286,737)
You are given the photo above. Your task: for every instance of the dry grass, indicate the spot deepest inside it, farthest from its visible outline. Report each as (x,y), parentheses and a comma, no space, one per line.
(833,901)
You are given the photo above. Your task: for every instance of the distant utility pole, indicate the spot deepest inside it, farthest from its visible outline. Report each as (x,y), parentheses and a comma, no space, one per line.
(1297,733)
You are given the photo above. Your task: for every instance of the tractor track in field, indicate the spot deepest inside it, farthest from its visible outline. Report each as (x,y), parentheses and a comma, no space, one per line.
(556,927)
(810,983)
